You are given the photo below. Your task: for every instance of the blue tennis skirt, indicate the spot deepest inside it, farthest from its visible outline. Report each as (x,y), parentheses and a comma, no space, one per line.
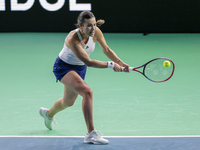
(61,68)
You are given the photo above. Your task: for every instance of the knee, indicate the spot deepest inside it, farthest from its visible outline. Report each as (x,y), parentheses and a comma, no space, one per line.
(67,103)
(87,92)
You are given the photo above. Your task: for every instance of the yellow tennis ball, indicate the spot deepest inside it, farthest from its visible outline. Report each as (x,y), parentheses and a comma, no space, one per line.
(166,64)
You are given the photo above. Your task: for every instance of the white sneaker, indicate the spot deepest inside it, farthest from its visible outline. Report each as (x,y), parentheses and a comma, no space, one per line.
(47,120)
(94,138)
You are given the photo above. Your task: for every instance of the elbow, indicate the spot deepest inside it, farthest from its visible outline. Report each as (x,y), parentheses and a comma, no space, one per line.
(89,63)
(107,50)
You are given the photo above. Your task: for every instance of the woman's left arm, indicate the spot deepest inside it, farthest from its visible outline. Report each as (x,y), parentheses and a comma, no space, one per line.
(109,52)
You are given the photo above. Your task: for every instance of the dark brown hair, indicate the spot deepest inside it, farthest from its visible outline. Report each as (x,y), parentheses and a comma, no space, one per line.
(87,15)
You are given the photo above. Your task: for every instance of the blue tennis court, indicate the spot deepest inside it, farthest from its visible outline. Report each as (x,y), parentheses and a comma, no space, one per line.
(116,143)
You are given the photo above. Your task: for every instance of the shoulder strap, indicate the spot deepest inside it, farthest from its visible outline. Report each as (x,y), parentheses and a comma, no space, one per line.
(79,35)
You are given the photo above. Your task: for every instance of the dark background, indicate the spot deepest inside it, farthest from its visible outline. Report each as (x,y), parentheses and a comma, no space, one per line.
(122,16)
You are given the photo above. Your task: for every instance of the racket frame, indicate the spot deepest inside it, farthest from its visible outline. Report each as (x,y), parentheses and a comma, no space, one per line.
(144,66)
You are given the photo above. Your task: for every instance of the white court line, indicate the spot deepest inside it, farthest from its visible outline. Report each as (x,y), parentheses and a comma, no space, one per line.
(179,136)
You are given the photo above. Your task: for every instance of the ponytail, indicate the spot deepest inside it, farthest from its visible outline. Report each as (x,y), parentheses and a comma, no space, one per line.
(100,22)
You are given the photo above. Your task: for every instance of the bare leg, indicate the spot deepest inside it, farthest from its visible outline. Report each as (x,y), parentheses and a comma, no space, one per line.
(66,101)
(87,108)
(74,85)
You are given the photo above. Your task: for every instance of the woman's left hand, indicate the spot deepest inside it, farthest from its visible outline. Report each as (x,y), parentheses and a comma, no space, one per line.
(126,68)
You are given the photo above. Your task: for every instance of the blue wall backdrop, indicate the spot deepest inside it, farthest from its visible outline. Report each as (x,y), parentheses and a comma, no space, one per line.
(122,16)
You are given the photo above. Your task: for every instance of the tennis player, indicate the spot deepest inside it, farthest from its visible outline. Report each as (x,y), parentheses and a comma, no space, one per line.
(70,69)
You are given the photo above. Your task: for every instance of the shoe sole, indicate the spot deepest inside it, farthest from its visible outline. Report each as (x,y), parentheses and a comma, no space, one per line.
(96,143)
(41,112)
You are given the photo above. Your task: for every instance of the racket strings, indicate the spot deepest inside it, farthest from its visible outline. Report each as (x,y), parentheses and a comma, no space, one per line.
(156,71)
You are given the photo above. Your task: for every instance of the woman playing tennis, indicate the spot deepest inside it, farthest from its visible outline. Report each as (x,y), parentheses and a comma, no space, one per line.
(70,68)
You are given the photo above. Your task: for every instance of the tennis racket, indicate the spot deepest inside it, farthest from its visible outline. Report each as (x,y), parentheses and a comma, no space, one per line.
(155,70)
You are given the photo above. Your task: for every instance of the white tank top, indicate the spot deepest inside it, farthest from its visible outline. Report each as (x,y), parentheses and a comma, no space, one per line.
(69,57)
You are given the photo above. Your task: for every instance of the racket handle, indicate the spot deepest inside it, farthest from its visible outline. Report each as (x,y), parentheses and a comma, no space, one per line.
(130,68)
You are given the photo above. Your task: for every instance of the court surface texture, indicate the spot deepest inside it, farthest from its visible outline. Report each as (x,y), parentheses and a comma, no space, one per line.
(132,112)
